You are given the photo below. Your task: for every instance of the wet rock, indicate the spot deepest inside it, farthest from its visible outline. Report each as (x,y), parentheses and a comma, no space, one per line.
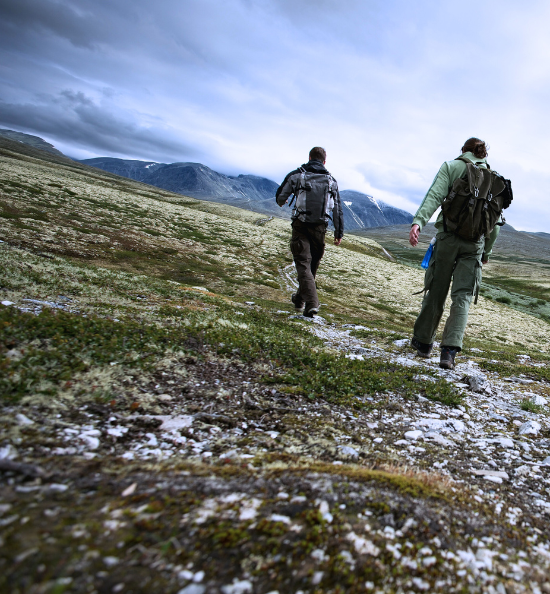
(413,435)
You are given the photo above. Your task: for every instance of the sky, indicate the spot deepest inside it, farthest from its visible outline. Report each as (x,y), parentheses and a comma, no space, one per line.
(390,88)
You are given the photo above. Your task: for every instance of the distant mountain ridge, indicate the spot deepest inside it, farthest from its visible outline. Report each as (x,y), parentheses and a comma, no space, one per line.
(34,141)
(251,192)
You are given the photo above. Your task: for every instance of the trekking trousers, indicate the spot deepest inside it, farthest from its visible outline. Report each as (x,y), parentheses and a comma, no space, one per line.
(307,245)
(453,259)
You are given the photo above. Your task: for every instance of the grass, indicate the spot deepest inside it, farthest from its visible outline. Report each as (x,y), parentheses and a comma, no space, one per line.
(529,406)
(56,345)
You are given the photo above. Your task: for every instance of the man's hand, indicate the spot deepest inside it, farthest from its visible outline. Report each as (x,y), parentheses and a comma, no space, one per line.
(413,235)
(484,262)
(337,241)
(281,205)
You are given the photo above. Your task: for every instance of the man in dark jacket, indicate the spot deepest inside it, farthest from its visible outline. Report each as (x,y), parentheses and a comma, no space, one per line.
(317,201)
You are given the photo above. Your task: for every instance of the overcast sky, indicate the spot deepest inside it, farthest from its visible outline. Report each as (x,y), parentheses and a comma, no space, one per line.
(391,88)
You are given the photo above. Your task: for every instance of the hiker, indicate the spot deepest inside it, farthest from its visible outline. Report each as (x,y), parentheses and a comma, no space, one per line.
(317,201)
(472,198)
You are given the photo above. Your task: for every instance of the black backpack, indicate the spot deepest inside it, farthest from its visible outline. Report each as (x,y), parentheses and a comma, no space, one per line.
(315,195)
(476,201)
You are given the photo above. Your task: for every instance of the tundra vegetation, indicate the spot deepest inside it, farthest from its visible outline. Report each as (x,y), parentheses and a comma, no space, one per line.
(168,424)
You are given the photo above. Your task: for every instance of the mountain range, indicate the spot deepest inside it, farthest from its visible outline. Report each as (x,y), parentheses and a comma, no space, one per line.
(250,192)
(244,191)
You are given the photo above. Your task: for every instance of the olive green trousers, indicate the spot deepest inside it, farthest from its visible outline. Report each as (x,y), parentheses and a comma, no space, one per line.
(457,260)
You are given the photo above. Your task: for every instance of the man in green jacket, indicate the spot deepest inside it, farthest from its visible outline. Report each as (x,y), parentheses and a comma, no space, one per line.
(453,259)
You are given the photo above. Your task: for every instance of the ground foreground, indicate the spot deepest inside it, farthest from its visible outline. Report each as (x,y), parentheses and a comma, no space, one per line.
(168,424)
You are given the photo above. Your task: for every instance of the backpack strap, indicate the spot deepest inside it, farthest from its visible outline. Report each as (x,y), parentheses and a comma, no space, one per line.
(301,184)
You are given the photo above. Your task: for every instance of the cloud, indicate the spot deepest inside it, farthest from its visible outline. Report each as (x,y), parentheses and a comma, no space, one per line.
(75,119)
(391,89)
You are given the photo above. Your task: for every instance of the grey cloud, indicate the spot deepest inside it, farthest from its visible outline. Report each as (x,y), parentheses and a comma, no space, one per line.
(80,27)
(74,118)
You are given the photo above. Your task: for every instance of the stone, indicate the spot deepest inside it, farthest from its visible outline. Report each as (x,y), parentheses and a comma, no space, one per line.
(348,451)
(495,473)
(546,461)
(477,382)
(529,428)
(14,355)
(199,589)
(440,440)
(523,469)
(537,399)
(362,545)
(237,587)
(23,420)
(8,452)
(413,435)
(7,303)
(90,441)
(406,362)
(129,490)
(505,442)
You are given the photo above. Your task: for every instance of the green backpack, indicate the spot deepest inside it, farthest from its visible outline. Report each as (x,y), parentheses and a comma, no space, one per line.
(476,201)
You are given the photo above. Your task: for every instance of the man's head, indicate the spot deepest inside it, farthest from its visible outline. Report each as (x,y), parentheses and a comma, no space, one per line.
(318,153)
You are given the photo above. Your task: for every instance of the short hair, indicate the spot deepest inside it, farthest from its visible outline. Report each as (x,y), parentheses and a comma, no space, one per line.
(318,153)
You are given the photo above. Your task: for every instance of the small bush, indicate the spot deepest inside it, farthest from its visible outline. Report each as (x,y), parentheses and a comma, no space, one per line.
(506,300)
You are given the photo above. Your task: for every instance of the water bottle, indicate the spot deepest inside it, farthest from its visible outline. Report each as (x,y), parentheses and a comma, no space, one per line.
(428,255)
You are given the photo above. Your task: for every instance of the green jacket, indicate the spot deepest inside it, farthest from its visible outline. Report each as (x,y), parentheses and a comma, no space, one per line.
(440,188)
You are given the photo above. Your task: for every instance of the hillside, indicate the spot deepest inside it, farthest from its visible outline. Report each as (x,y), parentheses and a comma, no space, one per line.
(29,139)
(169,425)
(244,191)
(518,273)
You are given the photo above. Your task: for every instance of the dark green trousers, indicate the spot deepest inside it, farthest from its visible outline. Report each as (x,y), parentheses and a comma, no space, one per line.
(307,245)
(457,260)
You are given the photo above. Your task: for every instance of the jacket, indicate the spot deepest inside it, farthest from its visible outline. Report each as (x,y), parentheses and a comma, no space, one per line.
(290,186)
(440,188)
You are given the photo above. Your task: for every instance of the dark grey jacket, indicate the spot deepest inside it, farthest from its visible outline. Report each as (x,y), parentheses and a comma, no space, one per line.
(291,185)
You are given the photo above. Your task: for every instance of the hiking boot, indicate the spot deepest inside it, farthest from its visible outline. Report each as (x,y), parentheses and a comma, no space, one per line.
(312,311)
(422,349)
(298,303)
(448,355)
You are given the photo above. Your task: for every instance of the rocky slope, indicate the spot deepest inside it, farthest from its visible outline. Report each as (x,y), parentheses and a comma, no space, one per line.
(169,424)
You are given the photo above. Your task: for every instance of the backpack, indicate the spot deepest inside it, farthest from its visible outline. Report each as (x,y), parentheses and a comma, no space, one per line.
(476,201)
(315,194)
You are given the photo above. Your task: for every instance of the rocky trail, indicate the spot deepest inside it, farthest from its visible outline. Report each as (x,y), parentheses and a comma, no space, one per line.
(235,486)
